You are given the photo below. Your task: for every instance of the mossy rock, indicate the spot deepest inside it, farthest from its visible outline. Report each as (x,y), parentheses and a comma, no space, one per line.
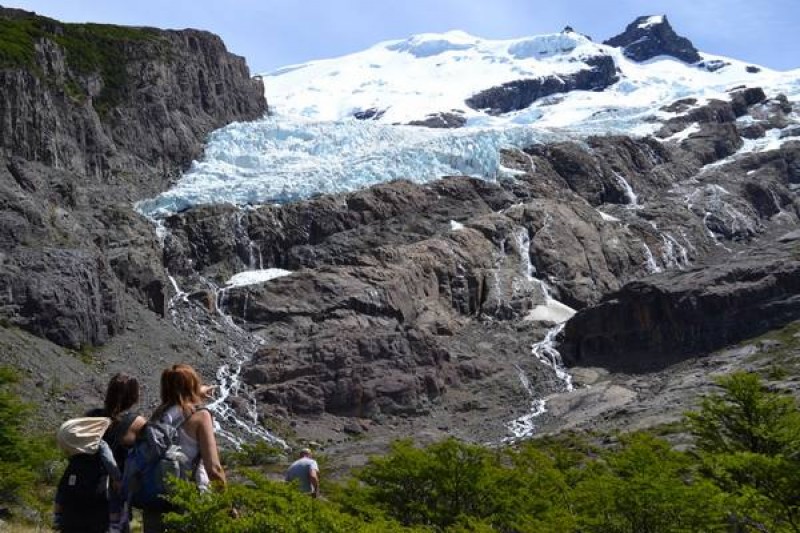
(89,49)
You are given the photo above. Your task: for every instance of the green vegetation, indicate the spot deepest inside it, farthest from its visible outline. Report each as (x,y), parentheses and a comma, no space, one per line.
(743,475)
(89,48)
(776,353)
(749,444)
(27,462)
(255,454)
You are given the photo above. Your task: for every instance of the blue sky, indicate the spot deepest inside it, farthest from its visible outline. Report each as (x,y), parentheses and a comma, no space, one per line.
(273,33)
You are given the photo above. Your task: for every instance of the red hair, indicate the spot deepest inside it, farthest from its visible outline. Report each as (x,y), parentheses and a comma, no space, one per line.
(180,385)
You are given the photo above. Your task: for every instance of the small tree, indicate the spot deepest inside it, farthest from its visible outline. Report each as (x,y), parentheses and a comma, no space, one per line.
(13,452)
(748,438)
(434,486)
(646,487)
(746,417)
(26,461)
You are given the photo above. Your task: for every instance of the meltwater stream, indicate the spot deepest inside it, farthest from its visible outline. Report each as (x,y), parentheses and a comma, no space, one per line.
(231,424)
(545,350)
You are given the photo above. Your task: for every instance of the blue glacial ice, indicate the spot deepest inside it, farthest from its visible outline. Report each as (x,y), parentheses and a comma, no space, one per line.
(276,160)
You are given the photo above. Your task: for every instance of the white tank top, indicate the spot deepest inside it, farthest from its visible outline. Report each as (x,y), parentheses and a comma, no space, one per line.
(189,445)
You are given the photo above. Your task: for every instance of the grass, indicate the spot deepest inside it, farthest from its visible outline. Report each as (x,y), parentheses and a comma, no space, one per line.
(781,361)
(89,49)
(87,354)
(23,528)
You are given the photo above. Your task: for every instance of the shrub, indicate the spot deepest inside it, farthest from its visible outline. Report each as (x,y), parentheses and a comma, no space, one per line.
(748,438)
(263,505)
(26,460)
(645,486)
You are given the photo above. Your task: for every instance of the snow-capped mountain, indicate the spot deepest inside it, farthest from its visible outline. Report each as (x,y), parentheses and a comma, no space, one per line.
(406,80)
(344,123)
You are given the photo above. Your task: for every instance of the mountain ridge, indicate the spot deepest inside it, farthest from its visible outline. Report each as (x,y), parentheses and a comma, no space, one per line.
(455,66)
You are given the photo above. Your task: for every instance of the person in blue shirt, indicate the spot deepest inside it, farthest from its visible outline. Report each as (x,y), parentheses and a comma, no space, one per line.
(306,471)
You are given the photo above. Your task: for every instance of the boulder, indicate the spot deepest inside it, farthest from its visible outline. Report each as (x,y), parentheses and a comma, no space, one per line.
(443,120)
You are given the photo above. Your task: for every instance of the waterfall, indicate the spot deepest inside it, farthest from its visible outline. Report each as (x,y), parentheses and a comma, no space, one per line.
(652,266)
(206,326)
(254,257)
(523,238)
(673,259)
(545,351)
(523,427)
(531,162)
(633,200)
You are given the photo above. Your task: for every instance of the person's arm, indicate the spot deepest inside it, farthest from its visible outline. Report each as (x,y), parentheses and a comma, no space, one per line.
(109,463)
(208,446)
(313,478)
(208,391)
(133,431)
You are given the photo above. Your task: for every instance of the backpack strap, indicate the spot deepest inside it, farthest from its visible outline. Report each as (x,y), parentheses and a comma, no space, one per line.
(181,419)
(185,418)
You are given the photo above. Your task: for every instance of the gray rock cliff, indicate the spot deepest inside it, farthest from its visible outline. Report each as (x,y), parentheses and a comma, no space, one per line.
(93,117)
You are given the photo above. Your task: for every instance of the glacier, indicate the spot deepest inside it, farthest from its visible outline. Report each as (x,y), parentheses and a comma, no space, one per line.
(311,144)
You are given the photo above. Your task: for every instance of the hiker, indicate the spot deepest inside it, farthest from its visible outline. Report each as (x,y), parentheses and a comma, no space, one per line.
(98,504)
(182,393)
(306,471)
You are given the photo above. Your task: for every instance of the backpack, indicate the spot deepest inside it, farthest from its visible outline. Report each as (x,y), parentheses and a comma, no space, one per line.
(82,435)
(83,488)
(154,459)
(84,483)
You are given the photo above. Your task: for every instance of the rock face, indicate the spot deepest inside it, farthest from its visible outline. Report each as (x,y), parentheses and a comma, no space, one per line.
(653,323)
(405,305)
(109,103)
(648,37)
(441,120)
(93,117)
(516,95)
(399,292)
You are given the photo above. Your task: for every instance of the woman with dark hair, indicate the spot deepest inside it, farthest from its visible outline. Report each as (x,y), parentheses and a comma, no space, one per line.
(122,394)
(182,393)
(106,511)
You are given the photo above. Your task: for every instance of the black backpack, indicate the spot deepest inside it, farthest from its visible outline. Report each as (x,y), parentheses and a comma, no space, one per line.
(84,483)
(83,488)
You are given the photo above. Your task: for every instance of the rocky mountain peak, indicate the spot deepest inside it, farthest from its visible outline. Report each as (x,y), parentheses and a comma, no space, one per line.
(651,36)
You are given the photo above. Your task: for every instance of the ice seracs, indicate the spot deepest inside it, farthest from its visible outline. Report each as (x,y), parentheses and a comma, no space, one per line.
(312,143)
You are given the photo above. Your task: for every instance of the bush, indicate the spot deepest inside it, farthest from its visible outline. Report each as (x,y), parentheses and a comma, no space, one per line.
(26,460)
(262,506)
(748,439)
(645,486)
(434,486)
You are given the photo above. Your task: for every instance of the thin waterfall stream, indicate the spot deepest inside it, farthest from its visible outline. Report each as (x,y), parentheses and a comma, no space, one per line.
(545,350)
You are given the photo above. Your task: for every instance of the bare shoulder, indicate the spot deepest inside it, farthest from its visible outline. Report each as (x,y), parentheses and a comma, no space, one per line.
(133,430)
(201,417)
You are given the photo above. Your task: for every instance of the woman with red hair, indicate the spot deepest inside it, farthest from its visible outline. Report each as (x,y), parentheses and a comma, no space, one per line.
(182,393)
